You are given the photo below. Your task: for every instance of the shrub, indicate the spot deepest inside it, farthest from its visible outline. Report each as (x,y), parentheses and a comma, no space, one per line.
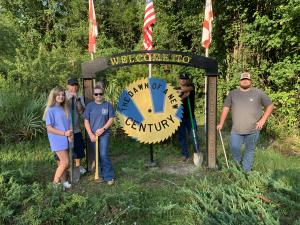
(20,116)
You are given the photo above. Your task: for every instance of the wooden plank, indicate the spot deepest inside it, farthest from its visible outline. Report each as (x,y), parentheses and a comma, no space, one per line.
(211,121)
(88,97)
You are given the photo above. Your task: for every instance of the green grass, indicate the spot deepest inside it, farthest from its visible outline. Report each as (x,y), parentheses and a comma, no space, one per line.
(173,193)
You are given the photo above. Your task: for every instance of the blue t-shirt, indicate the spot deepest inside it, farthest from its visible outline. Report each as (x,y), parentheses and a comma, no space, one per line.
(98,114)
(56,117)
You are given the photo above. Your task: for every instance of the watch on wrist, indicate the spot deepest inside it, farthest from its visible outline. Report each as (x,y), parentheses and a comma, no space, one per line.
(104,128)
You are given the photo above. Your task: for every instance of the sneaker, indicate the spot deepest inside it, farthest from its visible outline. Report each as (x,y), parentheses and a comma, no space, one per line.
(67,185)
(82,170)
(111,182)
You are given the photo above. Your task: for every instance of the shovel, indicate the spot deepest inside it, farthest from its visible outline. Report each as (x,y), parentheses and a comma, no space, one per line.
(198,156)
(74,171)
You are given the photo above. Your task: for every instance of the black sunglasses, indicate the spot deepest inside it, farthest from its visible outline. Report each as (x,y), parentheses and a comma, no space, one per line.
(96,94)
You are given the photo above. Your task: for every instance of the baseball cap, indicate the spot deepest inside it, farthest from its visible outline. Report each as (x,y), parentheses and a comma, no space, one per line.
(245,75)
(184,76)
(73,81)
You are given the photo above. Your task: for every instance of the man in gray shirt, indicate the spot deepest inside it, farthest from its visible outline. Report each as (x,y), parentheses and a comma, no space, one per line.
(246,105)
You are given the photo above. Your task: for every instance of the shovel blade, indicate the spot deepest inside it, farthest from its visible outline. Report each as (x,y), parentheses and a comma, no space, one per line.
(198,158)
(76,174)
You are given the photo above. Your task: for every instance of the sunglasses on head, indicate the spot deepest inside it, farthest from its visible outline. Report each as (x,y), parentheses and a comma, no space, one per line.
(96,94)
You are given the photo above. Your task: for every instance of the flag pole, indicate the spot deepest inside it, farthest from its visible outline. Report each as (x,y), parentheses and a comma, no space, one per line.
(205,95)
(206,40)
(93,33)
(151,145)
(149,20)
(150,67)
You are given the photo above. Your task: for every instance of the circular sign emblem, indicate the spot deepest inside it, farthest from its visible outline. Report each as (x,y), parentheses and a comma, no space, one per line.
(149,110)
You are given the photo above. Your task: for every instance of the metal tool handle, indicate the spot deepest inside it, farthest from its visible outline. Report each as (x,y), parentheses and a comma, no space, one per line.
(71,147)
(193,126)
(223,149)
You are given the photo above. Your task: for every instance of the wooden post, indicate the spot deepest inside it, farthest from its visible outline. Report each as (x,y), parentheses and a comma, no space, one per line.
(211,121)
(88,97)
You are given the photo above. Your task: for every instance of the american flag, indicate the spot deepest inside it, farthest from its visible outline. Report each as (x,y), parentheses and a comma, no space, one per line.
(93,31)
(207,25)
(149,20)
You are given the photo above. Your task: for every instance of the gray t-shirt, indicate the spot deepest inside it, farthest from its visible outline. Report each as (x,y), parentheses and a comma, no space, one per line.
(76,113)
(246,108)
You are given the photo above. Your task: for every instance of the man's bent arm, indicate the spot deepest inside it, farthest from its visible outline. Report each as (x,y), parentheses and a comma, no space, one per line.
(263,119)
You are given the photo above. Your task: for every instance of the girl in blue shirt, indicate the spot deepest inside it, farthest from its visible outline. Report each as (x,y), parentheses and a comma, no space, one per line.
(57,117)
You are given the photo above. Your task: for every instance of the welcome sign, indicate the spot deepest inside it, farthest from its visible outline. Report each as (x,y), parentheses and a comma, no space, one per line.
(142,125)
(210,65)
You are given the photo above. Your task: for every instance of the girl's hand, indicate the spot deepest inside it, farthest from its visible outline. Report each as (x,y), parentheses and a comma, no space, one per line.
(68,133)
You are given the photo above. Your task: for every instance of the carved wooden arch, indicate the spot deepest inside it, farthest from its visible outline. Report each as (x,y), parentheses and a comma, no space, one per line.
(210,65)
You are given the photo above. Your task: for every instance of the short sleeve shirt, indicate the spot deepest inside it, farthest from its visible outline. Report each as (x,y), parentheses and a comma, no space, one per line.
(98,114)
(246,108)
(76,113)
(56,117)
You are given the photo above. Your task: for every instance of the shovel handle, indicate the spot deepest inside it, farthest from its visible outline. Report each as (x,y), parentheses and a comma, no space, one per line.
(72,148)
(97,158)
(193,125)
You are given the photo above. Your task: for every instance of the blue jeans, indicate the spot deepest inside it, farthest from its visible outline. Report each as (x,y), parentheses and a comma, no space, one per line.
(250,141)
(106,170)
(185,128)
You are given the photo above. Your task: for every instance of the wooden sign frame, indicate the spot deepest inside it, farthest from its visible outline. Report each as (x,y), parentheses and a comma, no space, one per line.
(210,65)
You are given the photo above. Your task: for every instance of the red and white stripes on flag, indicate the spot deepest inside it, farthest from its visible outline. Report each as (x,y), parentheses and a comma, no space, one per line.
(149,20)
(207,24)
(93,31)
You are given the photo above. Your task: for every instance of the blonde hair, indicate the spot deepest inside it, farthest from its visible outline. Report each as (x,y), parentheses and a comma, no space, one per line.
(52,101)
